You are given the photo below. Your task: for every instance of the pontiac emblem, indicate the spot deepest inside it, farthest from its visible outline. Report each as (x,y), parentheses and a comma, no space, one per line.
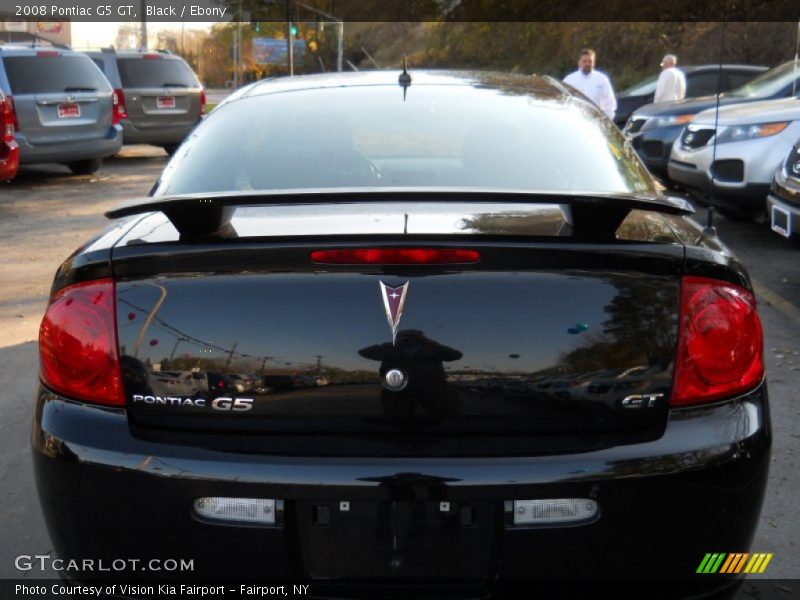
(393,300)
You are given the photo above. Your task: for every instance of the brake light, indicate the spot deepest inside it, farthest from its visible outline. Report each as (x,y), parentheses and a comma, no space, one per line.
(202,103)
(151,56)
(6,120)
(13,110)
(120,110)
(720,342)
(48,53)
(395,256)
(78,344)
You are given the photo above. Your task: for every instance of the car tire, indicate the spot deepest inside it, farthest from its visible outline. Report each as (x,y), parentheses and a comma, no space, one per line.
(170,148)
(85,167)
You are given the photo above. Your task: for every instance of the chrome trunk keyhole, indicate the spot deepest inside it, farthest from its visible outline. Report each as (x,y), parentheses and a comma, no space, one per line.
(395,380)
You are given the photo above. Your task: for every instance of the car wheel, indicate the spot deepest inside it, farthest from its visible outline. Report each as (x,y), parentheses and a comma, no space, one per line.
(85,167)
(170,148)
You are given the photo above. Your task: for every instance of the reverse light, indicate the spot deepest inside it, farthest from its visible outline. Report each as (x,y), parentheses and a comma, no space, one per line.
(120,111)
(78,344)
(254,511)
(720,342)
(395,256)
(554,511)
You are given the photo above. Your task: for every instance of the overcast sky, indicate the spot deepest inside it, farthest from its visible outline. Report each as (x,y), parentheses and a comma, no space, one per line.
(95,34)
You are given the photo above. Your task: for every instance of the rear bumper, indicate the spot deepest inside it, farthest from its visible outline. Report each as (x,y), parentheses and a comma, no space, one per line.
(155,135)
(9,160)
(663,504)
(70,151)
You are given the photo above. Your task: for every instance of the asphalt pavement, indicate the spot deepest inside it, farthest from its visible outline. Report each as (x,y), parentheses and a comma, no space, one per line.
(47,212)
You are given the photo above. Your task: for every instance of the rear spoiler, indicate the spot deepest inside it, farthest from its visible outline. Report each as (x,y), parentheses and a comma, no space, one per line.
(202,215)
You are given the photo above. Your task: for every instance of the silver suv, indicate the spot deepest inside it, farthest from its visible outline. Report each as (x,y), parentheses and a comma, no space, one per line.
(65,108)
(160,96)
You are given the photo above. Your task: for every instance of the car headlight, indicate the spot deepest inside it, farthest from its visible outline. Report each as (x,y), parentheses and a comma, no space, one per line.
(656,122)
(740,133)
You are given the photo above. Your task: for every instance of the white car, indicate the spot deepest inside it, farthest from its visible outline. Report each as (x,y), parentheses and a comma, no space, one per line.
(752,141)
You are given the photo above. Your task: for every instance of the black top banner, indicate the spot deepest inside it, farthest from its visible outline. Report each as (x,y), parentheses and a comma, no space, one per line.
(399,10)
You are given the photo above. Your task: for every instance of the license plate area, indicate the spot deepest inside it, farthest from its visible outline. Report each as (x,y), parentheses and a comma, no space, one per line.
(165,102)
(69,111)
(781,221)
(397,539)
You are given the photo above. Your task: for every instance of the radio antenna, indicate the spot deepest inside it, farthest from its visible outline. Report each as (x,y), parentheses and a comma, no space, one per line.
(710,216)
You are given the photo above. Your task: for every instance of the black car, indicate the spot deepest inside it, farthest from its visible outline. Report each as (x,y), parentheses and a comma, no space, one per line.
(655,127)
(701,80)
(783,200)
(427,243)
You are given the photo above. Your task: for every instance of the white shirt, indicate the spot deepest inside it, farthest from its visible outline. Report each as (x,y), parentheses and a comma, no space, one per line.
(671,85)
(596,87)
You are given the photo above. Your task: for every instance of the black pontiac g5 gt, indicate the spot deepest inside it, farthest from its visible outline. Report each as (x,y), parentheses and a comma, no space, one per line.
(503,352)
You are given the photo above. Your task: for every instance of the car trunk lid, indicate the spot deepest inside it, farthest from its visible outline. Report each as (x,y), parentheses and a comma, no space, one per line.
(547,345)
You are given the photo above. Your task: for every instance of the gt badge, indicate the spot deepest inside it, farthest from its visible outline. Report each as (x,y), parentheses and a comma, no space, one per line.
(393,300)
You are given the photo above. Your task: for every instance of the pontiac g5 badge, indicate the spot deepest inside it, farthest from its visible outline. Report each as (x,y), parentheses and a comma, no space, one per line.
(393,300)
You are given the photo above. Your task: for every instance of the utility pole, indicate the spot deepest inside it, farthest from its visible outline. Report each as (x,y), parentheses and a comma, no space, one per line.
(143,32)
(289,38)
(340,47)
(237,39)
(230,356)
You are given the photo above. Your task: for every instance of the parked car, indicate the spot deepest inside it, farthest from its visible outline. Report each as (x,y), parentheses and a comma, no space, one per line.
(399,230)
(701,80)
(9,148)
(160,96)
(65,110)
(734,168)
(783,201)
(174,383)
(654,128)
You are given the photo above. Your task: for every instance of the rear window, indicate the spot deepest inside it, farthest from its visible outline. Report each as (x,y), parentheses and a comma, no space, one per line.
(157,72)
(438,136)
(47,74)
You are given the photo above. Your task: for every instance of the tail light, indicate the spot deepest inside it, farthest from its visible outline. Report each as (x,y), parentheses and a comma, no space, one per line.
(202,103)
(7,118)
(395,256)
(13,111)
(720,342)
(78,344)
(120,110)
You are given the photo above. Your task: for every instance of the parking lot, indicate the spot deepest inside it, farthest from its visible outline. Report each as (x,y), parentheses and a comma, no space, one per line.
(47,212)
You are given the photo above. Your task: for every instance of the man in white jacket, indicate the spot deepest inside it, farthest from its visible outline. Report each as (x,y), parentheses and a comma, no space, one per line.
(593,84)
(671,84)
